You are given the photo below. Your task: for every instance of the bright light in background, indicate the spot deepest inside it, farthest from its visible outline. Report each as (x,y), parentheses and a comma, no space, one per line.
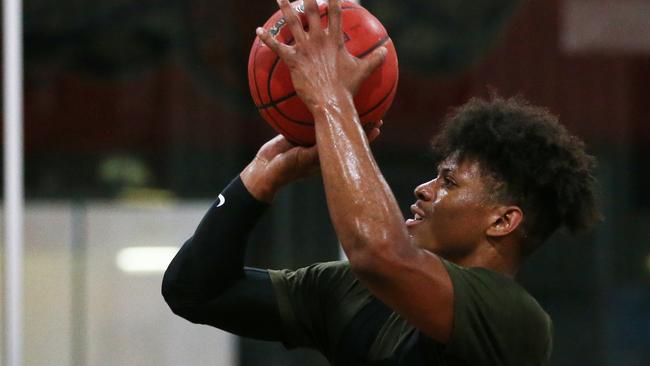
(145,259)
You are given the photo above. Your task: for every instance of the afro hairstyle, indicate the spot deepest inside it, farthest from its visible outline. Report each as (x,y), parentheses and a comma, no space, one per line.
(534,162)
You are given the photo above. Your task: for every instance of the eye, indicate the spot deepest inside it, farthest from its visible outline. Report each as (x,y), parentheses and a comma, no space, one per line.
(444,176)
(446,182)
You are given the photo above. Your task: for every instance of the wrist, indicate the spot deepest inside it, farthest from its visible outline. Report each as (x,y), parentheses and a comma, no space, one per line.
(257,183)
(329,102)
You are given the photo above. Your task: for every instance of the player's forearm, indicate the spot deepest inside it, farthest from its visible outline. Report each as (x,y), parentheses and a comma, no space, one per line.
(362,206)
(213,258)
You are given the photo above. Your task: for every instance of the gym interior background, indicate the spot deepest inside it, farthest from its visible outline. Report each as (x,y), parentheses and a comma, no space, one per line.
(137,114)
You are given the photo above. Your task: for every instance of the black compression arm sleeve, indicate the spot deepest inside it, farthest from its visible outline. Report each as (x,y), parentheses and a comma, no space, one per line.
(207,283)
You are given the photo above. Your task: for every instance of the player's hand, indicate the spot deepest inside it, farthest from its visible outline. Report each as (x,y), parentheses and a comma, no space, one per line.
(279,162)
(321,67)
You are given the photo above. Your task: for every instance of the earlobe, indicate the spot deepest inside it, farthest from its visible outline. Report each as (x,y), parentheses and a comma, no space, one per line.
(506,220)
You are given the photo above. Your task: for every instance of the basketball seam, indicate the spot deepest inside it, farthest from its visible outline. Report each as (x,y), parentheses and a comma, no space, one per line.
(392,89)
(379,43)
(272,121)
(273,103)
(257,88)
(278,101)
(283,131)
(290,95)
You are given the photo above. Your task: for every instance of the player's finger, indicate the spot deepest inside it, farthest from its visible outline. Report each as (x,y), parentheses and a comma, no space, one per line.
(376,124)
(305,157)
(281,144)
(313,15)
(315,161)
(334,15)
(312,152)
(273,44)
(373,60)
(372,129)
(273,147)
(373,134)
(293,20)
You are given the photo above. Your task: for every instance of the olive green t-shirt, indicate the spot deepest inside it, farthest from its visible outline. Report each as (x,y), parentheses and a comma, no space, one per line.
(496,322)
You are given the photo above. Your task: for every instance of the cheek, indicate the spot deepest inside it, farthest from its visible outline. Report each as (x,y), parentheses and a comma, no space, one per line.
(440,196)
(459,223)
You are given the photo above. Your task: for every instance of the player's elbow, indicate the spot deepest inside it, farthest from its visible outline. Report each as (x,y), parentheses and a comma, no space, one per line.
(179,296)
(377,259)
(186,312)
(172,296)
(178,302)
(176,296)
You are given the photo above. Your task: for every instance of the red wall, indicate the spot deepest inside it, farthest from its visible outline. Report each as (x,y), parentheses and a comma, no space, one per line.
(603,98)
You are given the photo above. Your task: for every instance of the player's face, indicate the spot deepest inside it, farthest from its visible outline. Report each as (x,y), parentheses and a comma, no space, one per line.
(451,211)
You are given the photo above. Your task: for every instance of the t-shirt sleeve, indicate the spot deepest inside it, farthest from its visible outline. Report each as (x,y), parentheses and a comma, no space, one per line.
(496,322)
(316,303)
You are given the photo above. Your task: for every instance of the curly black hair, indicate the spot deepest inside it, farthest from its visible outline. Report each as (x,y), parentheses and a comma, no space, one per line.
(534,162)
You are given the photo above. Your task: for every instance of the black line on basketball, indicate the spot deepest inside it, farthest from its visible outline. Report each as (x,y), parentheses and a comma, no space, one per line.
(270,78)
(379,43)
(257,87)
(391,90)
(284,132)
(273,102)
(296,121)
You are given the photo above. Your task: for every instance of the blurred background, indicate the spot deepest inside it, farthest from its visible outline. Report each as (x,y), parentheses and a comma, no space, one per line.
(137,114)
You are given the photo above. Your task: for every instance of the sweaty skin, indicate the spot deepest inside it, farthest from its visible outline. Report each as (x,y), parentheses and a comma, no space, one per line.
(365,214)
(457,194)
(455,217)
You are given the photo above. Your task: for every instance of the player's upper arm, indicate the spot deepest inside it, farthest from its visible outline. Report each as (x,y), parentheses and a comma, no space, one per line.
(247,307)
(316,302)
(414,283)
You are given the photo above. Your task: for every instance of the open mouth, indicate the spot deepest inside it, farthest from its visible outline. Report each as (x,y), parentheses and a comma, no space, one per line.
(418,216)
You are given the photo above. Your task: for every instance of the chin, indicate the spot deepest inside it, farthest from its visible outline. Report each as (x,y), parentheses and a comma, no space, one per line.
(421,242)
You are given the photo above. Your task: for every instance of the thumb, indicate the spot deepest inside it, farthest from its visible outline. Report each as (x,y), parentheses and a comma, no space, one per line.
(374,60)
(277,145)
(311,154)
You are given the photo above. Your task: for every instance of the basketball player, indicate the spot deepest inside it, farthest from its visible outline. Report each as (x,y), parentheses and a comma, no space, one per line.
(436,289)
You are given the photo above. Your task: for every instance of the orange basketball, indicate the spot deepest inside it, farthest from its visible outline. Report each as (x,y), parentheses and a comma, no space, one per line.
(270,81)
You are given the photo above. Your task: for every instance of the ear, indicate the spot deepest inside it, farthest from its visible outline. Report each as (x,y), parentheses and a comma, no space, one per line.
(505,220)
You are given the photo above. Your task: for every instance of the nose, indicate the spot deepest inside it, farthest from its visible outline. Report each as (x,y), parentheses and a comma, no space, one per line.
(424,192)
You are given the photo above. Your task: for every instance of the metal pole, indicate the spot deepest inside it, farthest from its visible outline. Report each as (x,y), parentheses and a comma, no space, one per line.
(13,174)
(79,304)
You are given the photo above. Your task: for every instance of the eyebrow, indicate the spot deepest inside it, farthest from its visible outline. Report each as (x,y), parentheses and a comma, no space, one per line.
(447,170)
(445,167)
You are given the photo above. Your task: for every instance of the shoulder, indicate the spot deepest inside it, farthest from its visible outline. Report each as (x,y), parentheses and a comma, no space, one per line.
(494,290)
(317,302)
(493,312)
